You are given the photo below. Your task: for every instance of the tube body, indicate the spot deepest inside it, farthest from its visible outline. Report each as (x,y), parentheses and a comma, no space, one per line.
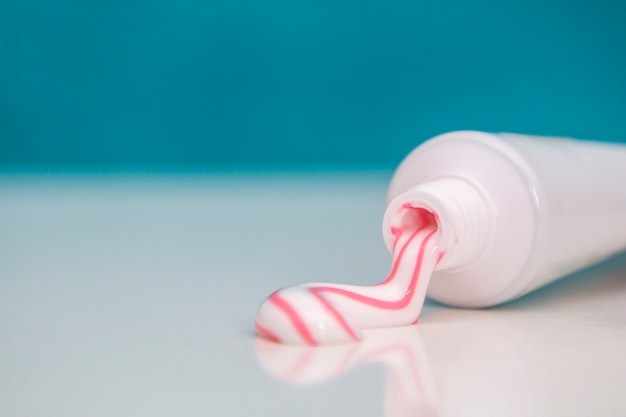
(527,210)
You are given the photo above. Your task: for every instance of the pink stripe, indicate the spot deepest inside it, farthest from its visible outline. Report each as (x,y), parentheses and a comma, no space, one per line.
(396,264)
(294,317)
(333,312)
(301,365)
(440,256)
(266,333)
(395,232)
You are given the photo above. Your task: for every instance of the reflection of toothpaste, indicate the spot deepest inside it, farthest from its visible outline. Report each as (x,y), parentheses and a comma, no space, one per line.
(494,216)
(515,212)
(411,389)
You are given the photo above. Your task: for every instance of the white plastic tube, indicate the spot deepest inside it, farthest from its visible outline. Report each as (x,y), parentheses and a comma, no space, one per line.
(514,212)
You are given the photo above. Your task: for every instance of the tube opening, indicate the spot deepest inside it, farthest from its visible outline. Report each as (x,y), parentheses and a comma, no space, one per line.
(412,217)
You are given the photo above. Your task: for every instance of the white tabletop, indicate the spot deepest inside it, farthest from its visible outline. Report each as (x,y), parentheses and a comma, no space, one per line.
(131,295)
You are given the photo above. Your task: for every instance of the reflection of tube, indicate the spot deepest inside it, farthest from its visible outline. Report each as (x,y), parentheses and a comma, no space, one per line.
(514,212)
(410,391)
(479,362)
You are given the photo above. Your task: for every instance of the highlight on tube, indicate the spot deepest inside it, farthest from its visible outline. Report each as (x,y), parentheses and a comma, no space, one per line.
(471,220)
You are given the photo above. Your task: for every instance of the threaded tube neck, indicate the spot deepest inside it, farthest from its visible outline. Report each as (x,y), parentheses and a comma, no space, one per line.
(464,217)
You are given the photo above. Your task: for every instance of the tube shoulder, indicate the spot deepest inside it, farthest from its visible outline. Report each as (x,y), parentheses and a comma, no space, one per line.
(493,165)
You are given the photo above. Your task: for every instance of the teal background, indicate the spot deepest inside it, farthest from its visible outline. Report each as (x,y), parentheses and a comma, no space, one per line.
(296,84)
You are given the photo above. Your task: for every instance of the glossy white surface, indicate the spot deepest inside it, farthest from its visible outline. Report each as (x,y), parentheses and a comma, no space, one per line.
(134,296)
